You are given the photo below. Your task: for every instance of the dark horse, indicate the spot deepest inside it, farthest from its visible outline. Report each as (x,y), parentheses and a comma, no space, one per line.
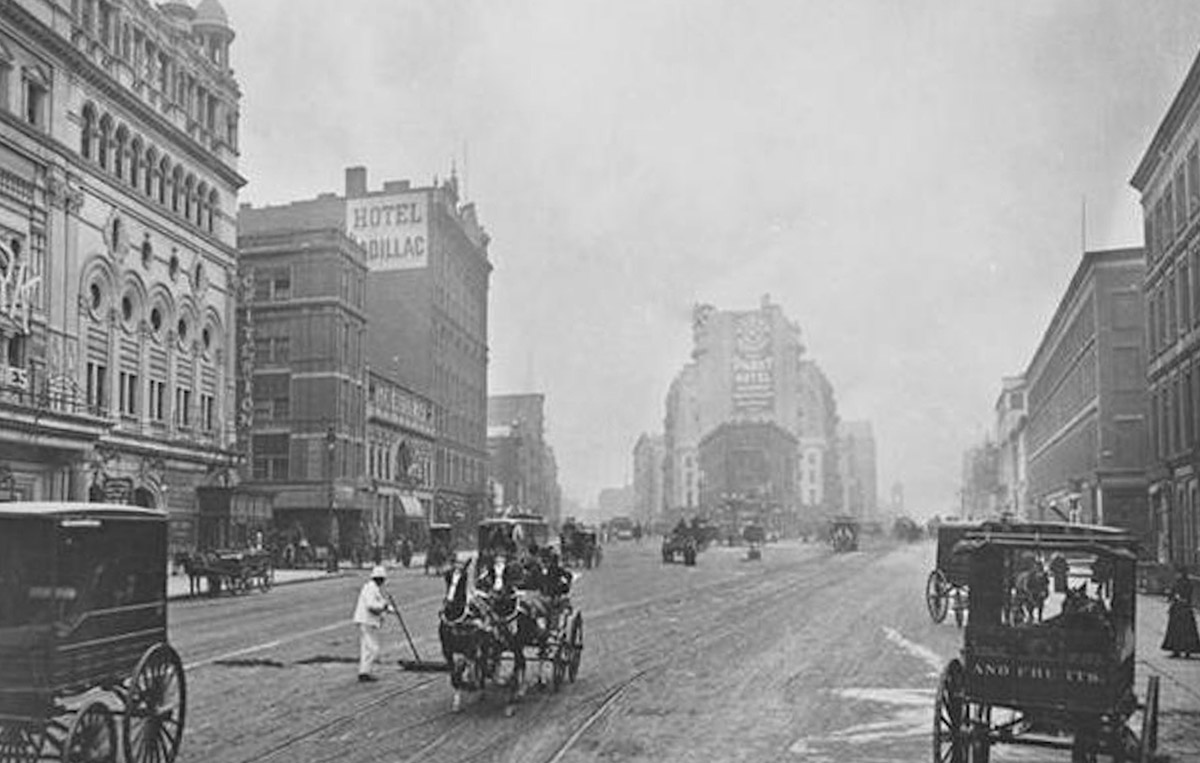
(1032,588)
(516,611)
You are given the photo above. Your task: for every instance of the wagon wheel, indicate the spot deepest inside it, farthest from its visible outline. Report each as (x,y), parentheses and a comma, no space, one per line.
(1149,740)
(93,736)
(980,745)
(575,642)
(950,733)
(155,707)
(21,742)
(268,579)
(562,662)
(936,597)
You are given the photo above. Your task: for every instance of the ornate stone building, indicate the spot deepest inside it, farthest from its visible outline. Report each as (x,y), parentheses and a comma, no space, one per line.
(118,178)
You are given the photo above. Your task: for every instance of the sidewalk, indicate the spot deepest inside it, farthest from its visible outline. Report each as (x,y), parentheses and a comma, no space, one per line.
(1179,679)
(179,587)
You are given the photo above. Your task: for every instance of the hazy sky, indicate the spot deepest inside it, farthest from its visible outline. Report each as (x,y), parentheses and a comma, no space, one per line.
(905,178)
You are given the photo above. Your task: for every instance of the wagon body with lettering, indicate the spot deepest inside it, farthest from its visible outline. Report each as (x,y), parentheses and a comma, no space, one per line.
(946,587)
(83,635)
(1054,672)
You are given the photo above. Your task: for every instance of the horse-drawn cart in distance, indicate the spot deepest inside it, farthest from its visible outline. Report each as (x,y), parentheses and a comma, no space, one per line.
(230,570)
(843,534)
(440,556)
(946,586)
(579,546)
(83,635)
(1061,678)
(754,535)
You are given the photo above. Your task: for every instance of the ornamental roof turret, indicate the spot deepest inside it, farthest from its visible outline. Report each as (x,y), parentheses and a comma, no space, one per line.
(211,13)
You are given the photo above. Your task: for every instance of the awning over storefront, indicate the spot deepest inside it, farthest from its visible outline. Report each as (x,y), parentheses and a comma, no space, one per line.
(412,507)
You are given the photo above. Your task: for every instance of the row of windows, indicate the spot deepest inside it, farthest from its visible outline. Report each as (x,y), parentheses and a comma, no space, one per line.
(1173,307)
(275,460)
(390,462)
(1168,215)
(114,148)
(151,63)
(131,393)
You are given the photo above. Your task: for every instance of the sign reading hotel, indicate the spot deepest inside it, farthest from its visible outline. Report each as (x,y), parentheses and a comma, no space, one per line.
(753,364)
(393,229)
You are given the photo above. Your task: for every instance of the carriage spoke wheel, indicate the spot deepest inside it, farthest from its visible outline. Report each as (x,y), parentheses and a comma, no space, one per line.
(155,705)
(21,742)
(1149,740)
(950,733)
(93,736)
(936,598)
(575,650)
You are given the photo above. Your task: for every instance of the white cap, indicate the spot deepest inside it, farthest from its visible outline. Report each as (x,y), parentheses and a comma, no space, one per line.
(378,572)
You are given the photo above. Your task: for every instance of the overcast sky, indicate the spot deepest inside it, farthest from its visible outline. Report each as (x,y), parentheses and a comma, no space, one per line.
(905,178)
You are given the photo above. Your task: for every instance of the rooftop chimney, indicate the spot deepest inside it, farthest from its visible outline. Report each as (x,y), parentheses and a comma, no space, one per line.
(356,182)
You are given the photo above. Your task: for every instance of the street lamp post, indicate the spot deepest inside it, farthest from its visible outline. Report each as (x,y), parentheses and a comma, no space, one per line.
(330,448)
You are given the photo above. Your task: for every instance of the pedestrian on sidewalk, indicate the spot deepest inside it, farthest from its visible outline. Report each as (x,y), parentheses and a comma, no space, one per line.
(1181,636)
(368,614)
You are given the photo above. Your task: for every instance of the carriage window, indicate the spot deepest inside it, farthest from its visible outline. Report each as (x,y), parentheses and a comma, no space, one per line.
(1047,589)
(28,591)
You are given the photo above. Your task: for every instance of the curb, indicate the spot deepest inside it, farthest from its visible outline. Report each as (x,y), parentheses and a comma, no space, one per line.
(187,595)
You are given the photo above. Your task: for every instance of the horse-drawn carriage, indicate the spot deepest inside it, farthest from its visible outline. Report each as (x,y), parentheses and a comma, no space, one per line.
(755,536)
(515,609)
(946,586)
(680,545)
(1064,681)
(440,556)
(83,635)
(230,570)
(843,534)
(579,546)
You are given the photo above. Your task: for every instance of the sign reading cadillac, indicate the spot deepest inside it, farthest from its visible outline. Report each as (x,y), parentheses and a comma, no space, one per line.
(393,229)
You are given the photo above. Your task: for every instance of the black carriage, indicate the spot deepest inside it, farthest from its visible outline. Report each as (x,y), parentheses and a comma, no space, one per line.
(440,556)
(946,587)
(755,536)
(580,546)
(843,534)
(511,535)
(1063,680)
(83,635)
(680,545)
(229,570)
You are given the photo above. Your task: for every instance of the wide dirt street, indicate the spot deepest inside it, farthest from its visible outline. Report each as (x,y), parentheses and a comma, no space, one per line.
(803,656)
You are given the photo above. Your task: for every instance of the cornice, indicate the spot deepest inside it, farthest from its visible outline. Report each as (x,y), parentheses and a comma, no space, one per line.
(81,66)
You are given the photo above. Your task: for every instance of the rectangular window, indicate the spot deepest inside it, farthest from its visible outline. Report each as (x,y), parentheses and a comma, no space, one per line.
(271,456)
(281,286)
(280,349)
(262,286)
(158,403)
(207,414)
(281,409)
(127,394)
(35,104)
(1169,215)
(1186,414)
(1193,179)
(1185,297)
(97,387)
(183,407)
(1180,198)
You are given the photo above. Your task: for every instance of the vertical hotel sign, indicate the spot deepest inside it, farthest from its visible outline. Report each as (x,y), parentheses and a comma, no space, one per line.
(753,364)
(393,229)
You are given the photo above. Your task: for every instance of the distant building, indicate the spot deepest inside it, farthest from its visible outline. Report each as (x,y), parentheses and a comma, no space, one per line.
(1085,435)
(749,473)
(615,502)
(1168,179)
(401,439)
(1011,418)
(649,462)
(681,442)
(521,461)
(856,452)
(820,479)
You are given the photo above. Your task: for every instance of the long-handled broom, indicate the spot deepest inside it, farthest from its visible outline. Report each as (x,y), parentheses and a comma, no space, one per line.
(416,664)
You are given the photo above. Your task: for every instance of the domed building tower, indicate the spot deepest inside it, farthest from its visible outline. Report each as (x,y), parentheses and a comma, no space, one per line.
(211,25)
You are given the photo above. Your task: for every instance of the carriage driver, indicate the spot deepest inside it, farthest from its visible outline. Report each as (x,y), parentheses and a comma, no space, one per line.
(368,614)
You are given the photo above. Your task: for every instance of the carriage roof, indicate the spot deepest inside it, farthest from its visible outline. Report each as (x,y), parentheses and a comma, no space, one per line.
(1050,536)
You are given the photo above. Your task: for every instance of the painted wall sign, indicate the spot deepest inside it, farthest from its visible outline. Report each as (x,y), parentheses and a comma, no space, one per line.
(393,229)
(753,364)
(17,286)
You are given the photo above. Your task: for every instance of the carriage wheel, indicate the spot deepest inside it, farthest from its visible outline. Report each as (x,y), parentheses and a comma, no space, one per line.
(575,648)
(155,707)
(1149,740)
(93,736)
(562,661)
(936,597)
(21,742)
(267,580)
(950,734)
(980,746)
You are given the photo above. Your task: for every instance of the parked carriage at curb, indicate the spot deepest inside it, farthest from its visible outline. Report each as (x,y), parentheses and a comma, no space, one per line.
(1064,681)
(229,570)
(946,586)
(843,534)
(440,556)
(83,636)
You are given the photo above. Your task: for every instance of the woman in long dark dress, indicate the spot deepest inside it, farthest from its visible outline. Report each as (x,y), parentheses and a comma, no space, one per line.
(1181,637)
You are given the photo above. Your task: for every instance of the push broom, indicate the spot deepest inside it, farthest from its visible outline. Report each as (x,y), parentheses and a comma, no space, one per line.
(417,665)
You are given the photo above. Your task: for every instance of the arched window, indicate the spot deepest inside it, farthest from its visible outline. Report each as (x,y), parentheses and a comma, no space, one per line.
(135,163)
(201,205)
(87,135)
(189,196)
(214,207)
(105,138)
(119,150)
(176,187)
(164,180)
(151,172)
